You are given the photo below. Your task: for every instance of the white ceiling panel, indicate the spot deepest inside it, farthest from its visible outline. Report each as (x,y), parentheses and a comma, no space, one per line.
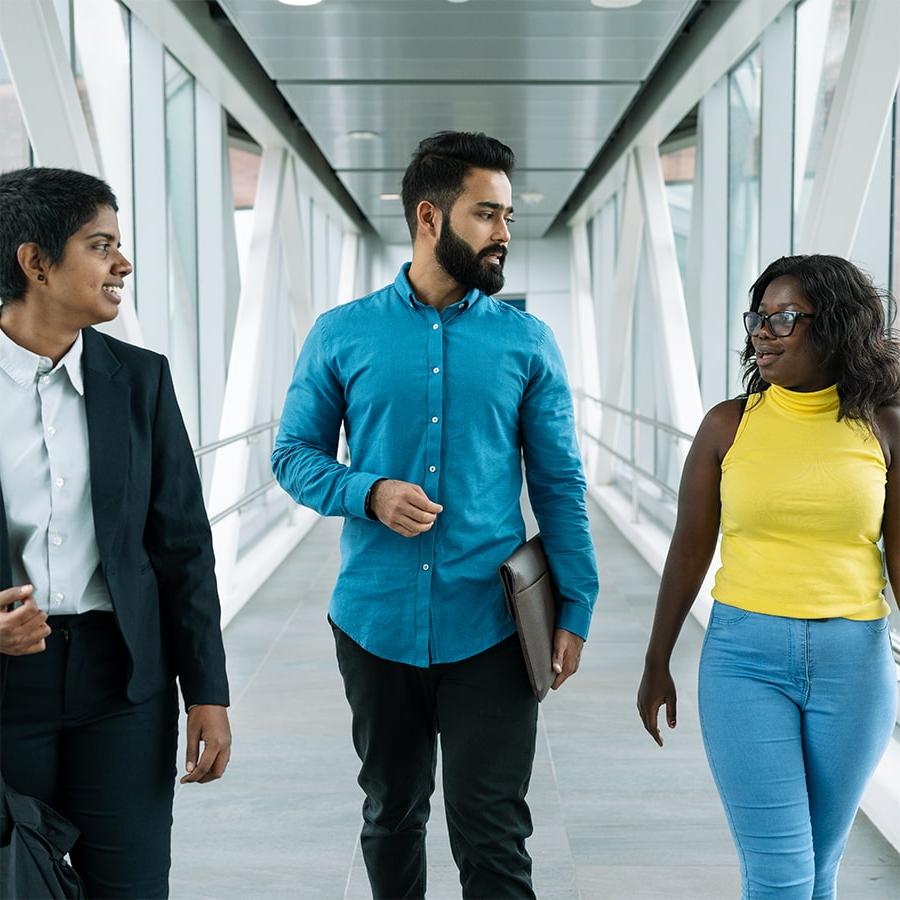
(551,78)
(367,187)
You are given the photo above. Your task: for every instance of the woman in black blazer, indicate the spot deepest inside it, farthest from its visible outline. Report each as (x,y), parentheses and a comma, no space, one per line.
(89,710)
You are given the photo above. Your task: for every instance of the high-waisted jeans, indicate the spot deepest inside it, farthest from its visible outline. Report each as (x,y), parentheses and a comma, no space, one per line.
(796,714)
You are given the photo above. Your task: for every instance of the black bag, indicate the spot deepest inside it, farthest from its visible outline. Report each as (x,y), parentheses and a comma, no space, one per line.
(33,841)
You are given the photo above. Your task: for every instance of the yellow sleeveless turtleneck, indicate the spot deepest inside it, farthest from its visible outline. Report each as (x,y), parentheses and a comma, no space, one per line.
(802,503)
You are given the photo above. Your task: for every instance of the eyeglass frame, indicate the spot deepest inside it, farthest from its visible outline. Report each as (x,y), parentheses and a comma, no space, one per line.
(764,320)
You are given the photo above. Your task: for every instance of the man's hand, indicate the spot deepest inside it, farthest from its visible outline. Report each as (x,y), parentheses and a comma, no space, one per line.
(208,724)
(566,655)
(23,630)
(403,507)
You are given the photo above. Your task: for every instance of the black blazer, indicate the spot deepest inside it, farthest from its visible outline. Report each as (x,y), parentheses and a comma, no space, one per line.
(151,524)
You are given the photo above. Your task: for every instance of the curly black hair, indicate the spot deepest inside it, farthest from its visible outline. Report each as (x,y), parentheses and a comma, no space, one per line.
(850,331)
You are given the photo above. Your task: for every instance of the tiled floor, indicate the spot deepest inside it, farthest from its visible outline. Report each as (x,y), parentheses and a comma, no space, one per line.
(615,817)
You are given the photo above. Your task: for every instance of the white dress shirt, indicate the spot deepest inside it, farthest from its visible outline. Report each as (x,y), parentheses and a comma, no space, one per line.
(45,473)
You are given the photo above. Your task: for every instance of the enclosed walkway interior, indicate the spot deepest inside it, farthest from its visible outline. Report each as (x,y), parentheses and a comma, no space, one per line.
(615,817)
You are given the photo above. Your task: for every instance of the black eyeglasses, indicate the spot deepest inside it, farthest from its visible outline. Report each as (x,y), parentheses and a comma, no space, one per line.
(780,324)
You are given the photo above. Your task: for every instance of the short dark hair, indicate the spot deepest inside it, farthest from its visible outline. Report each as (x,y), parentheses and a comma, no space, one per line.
(850,331)
(440,164)
(45,207)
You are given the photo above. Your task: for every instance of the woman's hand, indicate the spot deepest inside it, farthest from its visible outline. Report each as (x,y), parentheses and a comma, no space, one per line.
(22,630)
(657,689)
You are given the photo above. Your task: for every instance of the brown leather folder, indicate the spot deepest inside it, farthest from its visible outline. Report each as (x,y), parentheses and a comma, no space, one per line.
(532,599)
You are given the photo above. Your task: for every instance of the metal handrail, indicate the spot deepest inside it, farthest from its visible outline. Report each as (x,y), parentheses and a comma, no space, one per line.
(244,435)
(640,471)
(238,505)
(645,420)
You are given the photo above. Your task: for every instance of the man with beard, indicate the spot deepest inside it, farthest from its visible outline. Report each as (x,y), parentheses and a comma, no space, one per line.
(441,389)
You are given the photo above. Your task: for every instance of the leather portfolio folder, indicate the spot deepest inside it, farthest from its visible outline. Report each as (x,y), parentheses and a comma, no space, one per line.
(532,599)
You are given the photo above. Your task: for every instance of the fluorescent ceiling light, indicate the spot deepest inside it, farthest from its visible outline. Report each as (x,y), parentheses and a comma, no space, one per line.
(531,198)
(389,196)
(610,4)
(299,2)
(363,135)
(458,1)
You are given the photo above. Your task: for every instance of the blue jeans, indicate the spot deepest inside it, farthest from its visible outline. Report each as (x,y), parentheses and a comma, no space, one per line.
(796,714)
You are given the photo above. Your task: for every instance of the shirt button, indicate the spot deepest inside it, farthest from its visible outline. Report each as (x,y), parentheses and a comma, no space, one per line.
(58,599)
(59,482)
(435,370)
(425,567)
(434,419)
(51,430)
(55,539)
(45,379)
(435,326)
(432,469)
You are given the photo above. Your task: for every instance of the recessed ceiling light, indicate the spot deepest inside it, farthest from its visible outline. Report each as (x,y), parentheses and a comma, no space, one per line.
(389,196)
(531,198)
(363,135)
(613,4)
(299,2)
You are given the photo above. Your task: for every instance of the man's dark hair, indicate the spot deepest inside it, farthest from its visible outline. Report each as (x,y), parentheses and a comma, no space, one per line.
(440,164)
(45,207)
(850,331)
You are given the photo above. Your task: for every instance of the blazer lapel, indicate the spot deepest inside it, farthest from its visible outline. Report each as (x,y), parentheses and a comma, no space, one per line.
(107,405)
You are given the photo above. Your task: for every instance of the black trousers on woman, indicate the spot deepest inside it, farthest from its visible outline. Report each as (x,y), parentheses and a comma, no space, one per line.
(486,716)
(69,737)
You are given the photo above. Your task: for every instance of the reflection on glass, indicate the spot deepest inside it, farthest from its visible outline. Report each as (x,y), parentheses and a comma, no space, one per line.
(744,127)
(103,78)
(14,149)
(181,208)
(823,27)
(895,255)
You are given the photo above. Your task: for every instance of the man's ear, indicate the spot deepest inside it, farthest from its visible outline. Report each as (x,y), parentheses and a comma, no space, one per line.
(428,219)
(33,262)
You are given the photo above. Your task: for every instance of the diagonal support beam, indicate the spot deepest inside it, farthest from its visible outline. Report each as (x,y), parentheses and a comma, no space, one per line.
(229,479)
(859,115)
(679,369)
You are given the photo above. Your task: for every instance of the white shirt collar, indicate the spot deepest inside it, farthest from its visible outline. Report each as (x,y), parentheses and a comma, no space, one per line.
(24,367)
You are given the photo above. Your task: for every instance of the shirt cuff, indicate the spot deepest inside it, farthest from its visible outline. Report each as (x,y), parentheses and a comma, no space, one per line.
(575,618)
(358,486)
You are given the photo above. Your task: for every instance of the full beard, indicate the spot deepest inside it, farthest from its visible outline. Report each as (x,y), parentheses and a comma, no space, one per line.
(466,266)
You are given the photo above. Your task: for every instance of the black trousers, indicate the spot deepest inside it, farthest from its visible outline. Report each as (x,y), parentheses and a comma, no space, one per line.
(486,716)
(70,738)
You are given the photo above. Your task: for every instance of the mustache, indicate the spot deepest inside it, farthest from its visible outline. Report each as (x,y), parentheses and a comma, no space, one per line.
(495,250)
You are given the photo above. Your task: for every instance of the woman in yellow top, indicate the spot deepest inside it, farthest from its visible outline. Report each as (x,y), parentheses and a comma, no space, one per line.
(798,685)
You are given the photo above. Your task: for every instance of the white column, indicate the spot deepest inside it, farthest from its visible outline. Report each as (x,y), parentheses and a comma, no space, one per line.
(347,274)
(617,340)
(585,343)
(714,240)
(859,115)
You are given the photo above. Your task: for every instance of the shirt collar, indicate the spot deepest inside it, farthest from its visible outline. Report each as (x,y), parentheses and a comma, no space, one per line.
(23,366)
(408,295)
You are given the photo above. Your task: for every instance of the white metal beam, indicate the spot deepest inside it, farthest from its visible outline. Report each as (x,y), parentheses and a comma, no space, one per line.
(241,388)
(587,374)
(859,115)
(679,368)
(616,341)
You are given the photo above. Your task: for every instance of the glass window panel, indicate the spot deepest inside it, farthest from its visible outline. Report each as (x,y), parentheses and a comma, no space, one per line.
(744,132)
(181,213)
(823,27)
(15,152)
(895,252)
(102,61)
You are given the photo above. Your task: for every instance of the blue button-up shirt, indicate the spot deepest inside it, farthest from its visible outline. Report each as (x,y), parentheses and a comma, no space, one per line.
(450,401)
